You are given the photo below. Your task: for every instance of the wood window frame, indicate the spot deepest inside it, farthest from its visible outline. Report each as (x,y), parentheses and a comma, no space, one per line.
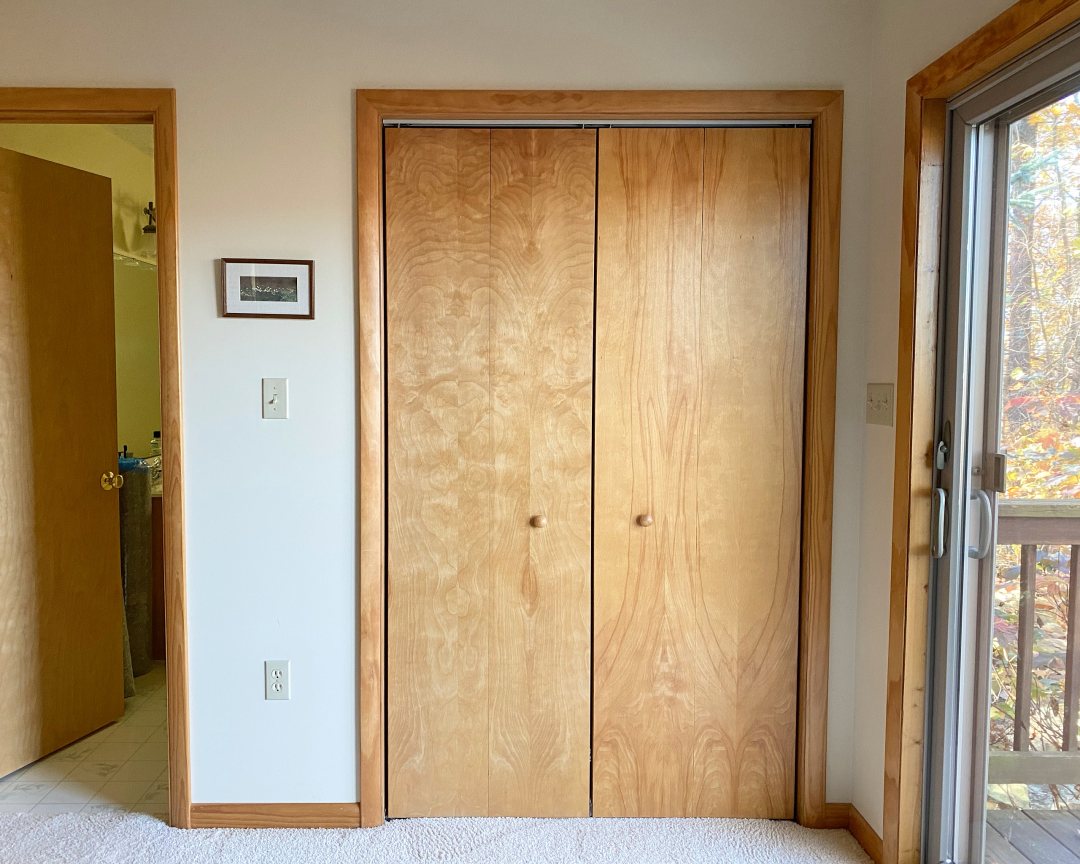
(823,110)
(1016,30)
(156,107)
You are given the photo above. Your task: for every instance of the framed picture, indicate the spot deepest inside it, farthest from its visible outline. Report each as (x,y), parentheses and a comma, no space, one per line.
(267,288)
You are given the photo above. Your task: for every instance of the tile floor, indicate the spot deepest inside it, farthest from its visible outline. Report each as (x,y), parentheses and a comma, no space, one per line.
(120,767)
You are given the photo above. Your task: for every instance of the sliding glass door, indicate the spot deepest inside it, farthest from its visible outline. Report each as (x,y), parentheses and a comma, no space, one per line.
(1004,757)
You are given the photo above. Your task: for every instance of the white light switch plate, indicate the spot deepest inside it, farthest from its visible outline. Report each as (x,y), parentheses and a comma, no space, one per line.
(275,398)
(277,679)
(879,404)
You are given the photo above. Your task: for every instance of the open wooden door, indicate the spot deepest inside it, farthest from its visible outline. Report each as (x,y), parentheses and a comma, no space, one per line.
(60,592)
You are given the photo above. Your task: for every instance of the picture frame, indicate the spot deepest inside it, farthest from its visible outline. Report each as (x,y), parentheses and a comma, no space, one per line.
(267,288)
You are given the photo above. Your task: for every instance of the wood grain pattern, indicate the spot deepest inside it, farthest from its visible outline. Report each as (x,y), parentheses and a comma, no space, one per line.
(916,388)
(651,654)
(543,210)
(345,815)
(1020,27)
(753,295)
(157,578)
(441,469)
(820,433)
(371,465)
(835,814)
(598,104)
(824,111)
(60,590)
(166,185)
(157,106)
(489,322)
(701,291)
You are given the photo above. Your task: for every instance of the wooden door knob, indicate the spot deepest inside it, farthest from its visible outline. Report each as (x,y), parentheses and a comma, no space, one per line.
(644,520)
(538,521)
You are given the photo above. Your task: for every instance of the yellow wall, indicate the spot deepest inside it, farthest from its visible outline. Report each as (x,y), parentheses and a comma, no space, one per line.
(126,161)
(138,398)
(100,150)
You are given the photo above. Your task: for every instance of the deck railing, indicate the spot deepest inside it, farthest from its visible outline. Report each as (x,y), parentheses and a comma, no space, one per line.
(1030,524)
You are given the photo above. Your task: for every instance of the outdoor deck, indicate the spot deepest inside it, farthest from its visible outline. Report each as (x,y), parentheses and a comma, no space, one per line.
(1039,836)
(1032,837)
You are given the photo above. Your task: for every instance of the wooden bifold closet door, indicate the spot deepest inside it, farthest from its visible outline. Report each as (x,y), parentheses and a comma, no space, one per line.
(660,598)
(701,300)
(490,237)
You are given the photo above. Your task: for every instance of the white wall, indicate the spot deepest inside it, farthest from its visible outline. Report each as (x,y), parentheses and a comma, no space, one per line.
(903,44)
(266,169)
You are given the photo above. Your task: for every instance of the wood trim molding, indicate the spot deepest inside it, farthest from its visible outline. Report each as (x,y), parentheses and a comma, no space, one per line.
(823,109)
(865,835)
(824,282)
(1014,31)
(848,817)
(835,815)
(79,105)
(275,815)
(913,470)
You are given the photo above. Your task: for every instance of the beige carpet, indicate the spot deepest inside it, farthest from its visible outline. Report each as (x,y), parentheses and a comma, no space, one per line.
(128,838)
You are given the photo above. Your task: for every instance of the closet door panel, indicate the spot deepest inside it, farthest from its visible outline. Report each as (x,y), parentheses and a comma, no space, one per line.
(651,654)
(754,255)
(700,331)
(542,234)
(440,469)
(489,331)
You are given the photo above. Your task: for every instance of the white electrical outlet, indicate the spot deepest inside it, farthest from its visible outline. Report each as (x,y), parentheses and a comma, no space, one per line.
(277,679)
(275,398)
(879,404)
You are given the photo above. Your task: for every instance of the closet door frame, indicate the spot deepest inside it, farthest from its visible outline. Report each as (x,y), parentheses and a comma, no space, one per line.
(823,111)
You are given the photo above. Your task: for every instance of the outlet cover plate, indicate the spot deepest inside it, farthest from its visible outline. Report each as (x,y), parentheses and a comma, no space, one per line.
(879,404)
(277,679)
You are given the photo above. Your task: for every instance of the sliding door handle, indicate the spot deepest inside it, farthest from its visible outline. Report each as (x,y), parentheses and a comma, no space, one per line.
(937,523)
(986,525)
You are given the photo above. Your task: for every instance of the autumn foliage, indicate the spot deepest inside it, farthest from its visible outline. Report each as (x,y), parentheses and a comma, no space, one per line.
(1040,418)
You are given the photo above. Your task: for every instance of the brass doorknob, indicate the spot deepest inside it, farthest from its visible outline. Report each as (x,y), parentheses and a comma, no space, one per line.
(644,520)
(538,521)
(111,480)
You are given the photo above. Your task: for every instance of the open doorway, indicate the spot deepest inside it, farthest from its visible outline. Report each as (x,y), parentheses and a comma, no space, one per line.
(91,727)
(61,148)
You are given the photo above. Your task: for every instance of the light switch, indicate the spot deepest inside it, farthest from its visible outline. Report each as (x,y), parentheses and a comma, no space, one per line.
(275,398)
(879,404)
